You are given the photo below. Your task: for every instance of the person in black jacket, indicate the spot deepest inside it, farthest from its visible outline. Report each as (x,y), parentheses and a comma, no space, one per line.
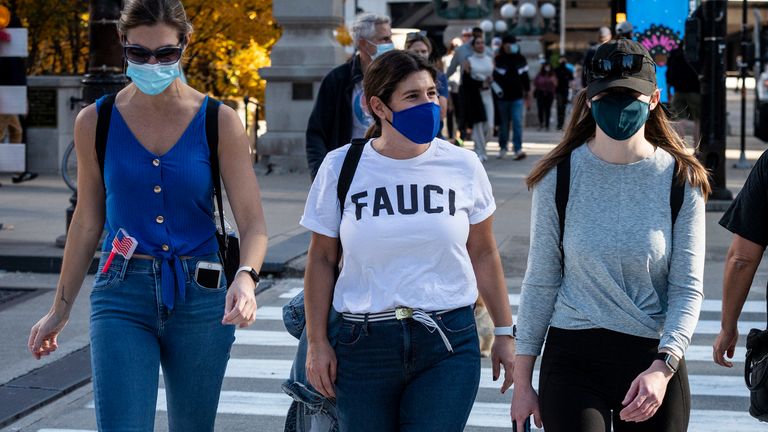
(564,78)
(511,74)
(339,114)
(686,97)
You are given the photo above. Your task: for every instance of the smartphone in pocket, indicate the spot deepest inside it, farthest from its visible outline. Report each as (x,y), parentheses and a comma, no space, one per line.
(208,274)
(526,426)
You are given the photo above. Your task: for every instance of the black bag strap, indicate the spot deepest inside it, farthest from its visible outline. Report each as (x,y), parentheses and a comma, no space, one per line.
(348,169)
(676,194)
(676,197)
(561,200)
(212,136)
(102,131)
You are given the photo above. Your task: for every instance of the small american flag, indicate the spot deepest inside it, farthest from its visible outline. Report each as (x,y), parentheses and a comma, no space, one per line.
(122,244)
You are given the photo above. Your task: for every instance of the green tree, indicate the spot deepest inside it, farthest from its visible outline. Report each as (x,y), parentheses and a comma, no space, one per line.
(230,42)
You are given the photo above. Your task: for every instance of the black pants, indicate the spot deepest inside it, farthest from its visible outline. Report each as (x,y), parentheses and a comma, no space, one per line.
(562,103)
(544,105)
(585,375)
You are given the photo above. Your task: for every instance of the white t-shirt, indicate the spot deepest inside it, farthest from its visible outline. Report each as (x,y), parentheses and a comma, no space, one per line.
(481,66)
(402,248)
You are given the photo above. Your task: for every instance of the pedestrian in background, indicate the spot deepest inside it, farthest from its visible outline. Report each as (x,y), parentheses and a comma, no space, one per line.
(564,77)
(339,114)
(603,36)
(685,91)
(544,86)
(511,74)
(616,266)
(454,105)
(407,356)
(157,308)
(477,75)
(418,43)
(745,218)
(460,57)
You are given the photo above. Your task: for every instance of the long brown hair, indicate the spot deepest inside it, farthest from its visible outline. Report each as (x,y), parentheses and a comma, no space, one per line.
(658,132)
(137,13)
(383,76)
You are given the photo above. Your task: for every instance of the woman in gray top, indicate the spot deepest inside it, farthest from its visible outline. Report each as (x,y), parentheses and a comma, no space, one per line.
(615,268)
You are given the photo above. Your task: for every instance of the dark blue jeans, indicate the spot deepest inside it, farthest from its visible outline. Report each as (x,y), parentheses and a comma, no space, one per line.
(133,334)
(398,376)
(511,111)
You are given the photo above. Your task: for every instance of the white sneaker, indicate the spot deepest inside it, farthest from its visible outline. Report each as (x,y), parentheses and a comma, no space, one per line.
(520,155)
(502,153)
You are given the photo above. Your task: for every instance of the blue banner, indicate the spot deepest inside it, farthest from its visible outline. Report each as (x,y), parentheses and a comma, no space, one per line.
(659,26)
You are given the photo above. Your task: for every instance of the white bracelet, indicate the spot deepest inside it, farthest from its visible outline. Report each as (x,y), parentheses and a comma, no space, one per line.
(505,331)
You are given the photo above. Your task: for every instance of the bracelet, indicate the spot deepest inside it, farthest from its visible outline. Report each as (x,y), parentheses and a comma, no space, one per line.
(510,331)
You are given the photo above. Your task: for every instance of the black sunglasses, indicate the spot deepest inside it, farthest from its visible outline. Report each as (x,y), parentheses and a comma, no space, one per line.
(619,64)
(415,35)
(164,55)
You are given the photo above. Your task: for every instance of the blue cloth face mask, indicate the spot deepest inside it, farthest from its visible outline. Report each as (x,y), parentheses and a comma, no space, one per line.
(381,48)
(620,115)
(419,124)
(514,49)
(153,79)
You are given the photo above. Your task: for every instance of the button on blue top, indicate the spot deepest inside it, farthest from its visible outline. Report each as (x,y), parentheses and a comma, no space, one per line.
(175,221)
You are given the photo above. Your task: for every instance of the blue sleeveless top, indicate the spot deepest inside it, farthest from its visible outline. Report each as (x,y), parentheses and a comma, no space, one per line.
(164,201)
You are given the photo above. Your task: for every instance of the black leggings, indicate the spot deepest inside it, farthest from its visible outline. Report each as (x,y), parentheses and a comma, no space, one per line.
(585,375)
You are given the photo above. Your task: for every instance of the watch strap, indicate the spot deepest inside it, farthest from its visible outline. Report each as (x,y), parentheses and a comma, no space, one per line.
(510,331)
(251,272)
(669,360)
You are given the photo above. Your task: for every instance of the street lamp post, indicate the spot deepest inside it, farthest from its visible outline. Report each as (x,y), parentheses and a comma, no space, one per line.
(105,67)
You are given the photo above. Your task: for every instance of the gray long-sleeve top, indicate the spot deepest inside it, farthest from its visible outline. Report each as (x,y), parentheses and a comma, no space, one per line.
(626,268)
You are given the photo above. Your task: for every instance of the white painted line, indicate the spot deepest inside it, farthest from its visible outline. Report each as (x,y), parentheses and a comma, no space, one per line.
(272,313)
(712,327)
(291,293)
(265,338)
(704,354)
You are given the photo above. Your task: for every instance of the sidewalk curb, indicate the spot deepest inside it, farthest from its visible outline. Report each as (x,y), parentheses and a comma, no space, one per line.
(25,394)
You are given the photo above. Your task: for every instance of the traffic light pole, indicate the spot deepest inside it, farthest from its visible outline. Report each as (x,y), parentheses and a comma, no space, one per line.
(713,123)
(105,66)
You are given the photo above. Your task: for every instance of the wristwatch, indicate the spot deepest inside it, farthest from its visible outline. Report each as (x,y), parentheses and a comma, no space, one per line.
(669,360)
(251,272)
(510,331)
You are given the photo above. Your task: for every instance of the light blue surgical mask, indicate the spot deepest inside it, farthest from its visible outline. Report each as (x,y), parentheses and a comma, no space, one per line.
(514,49)
(153,79)
(381,48)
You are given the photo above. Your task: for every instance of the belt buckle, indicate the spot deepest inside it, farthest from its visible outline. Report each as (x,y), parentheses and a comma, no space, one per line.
(402,313)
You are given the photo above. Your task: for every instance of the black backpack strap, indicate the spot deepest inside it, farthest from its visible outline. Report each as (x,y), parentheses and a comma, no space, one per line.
(676,194)
(212,136)
(102,131)
(348,169)
(561,199)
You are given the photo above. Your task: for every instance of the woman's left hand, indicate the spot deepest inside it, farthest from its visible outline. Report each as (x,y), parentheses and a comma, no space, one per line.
(503,354)
(646,393)
(240,307)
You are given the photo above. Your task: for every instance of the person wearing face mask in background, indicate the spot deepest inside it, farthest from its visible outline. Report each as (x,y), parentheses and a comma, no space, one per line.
(544,86)
(154,182)
(460,57)
(511,73)
(419,44)
(477,76)
(406,355)
(454,107)
(339,114)
(616,262)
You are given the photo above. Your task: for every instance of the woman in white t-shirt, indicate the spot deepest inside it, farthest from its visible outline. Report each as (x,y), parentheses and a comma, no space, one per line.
(417,247)
(478,101)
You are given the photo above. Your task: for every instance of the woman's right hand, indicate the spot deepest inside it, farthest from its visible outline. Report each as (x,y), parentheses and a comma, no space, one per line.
(44,334)
(525,402)
(321,367)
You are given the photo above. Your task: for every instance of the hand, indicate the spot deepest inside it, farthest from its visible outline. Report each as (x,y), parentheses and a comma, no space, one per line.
(525,402)
(466,67)
(646,393)
(321,367)
(725,344)
(503,354)
(43,336)
(240,306)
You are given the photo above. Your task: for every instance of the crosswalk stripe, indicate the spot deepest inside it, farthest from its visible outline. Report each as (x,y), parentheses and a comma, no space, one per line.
(700,353)
(484,414)
(701,385)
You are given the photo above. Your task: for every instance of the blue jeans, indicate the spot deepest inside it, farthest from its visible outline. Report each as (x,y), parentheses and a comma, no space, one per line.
(398,376)
(511,110)
(133,334)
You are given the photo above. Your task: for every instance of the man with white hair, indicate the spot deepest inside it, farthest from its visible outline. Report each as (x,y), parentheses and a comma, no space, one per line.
(603,36)
(339,113)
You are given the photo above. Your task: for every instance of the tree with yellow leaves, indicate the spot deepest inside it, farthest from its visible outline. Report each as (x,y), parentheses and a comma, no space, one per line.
(230,42)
